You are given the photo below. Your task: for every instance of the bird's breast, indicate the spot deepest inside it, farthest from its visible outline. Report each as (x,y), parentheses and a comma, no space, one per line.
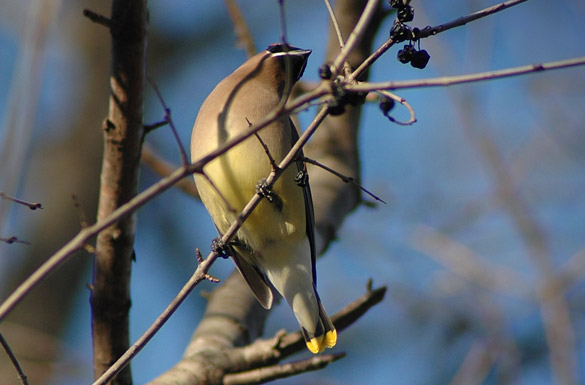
(231,182)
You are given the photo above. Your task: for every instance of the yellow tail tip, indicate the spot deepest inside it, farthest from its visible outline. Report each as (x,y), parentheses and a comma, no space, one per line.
(318,344)
(330,338)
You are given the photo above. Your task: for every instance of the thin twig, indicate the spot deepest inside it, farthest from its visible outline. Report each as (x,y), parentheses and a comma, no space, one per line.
(241,29)
(372,58)
(12,240)
(97,18)
(289,81)
(344,178)
(21,376)
(335,23)
(282,21)
(182,152)
(403,102)
(426,32)
(200,259)
(475,77)
(273,164)
(32,206)
(356,35)
(151,127)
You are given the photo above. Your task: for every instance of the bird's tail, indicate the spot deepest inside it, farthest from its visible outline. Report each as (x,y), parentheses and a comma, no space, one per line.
(325,335)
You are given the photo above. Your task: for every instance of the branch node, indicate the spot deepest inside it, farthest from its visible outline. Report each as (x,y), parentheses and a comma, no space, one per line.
(32,206)
(198,255)
(169,120)
(151,127)
(97,18)
(264,189)
(220,248)
(211,278)
(14,239)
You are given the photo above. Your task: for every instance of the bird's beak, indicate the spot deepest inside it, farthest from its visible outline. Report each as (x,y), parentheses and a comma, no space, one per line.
(304,55)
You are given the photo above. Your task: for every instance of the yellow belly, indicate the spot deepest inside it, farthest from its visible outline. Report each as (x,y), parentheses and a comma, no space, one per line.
(236,174)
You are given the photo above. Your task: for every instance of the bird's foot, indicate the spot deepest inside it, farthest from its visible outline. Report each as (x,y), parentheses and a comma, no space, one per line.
(219,247)
(302,178)
(266,191)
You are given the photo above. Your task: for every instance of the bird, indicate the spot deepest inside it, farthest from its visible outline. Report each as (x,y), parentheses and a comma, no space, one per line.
(274,249)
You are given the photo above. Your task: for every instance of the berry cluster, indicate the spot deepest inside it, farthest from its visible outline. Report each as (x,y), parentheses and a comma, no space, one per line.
(401,32)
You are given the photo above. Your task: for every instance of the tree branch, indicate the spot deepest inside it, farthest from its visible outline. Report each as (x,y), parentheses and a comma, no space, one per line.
(476,77)
(163,169)
(123,136)
(426,32)
(32,206)
(271,373)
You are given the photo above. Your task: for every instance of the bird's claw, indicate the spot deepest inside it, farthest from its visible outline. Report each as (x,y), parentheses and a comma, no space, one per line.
(220,247)
(266,191)
(302,178)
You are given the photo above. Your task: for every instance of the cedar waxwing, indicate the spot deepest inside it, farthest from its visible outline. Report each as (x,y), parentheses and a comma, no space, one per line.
(275,247)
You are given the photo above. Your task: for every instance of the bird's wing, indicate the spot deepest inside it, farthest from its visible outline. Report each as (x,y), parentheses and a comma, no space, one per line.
(309,211)
(253,277)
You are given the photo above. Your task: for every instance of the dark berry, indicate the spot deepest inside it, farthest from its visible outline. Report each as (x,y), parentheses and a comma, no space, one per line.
(400,32)
(395,3)
(398,4)
(325,72)
(420,59)
(386,104)
(405,14)
(405,54)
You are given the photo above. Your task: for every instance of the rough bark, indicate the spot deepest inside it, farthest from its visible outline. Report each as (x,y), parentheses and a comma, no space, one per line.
(123,137)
